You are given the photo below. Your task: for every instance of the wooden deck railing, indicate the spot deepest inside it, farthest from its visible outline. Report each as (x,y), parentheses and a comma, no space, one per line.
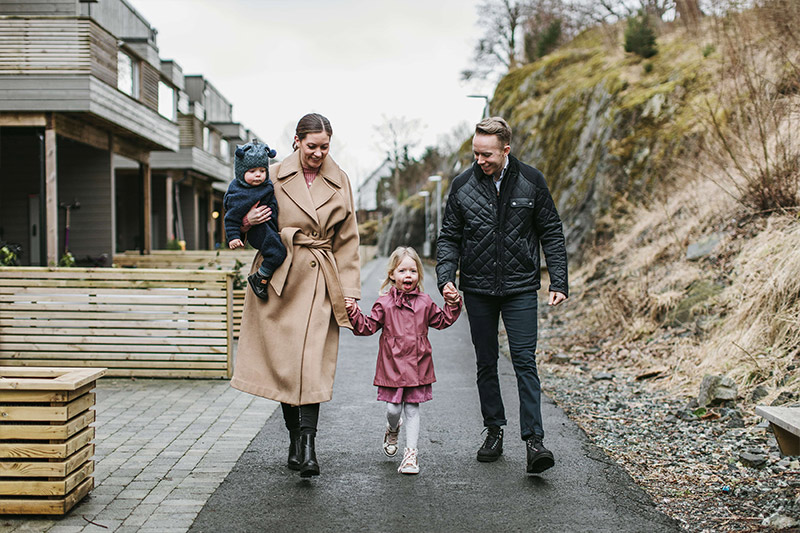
(135,322)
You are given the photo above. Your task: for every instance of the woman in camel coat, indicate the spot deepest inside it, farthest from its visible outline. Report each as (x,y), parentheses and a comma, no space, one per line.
(288,344)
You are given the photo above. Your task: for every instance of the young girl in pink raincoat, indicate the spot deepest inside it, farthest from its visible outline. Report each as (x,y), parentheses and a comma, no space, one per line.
(404,373)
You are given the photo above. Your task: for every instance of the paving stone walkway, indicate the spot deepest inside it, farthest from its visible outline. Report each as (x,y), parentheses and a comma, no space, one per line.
(161,449)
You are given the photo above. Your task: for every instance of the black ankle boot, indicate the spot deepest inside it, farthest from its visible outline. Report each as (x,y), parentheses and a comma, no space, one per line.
(309,466)
(295,452)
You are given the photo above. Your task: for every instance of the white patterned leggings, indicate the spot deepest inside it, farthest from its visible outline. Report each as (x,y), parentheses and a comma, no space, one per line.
(410,412)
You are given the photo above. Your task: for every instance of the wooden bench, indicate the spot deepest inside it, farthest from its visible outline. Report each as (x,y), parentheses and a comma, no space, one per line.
(135,322)
(785,424)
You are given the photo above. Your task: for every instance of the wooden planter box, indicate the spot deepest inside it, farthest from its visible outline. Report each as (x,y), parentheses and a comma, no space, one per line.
(46,438)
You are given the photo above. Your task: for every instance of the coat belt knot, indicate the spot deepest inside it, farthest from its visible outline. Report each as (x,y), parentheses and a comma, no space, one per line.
(322,251)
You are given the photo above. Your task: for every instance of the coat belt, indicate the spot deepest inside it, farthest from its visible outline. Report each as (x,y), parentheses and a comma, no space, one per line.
(322,251)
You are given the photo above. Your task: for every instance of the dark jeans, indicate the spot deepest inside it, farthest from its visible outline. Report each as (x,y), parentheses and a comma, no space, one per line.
(519,317)
(302,417)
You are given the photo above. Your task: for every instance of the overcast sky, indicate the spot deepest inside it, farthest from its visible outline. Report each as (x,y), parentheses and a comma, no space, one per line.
(354,61)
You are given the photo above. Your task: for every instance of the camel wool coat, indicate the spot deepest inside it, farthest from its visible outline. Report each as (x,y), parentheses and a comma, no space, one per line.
(288,344)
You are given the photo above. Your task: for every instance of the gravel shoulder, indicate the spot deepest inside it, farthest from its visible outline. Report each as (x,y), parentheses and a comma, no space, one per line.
(717,469)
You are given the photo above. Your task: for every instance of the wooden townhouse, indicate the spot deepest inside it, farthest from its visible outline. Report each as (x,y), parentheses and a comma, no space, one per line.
(188,184)
(79,82)
(104,146)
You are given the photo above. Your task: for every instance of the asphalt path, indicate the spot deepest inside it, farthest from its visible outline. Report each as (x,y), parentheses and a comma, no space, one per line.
(359,488)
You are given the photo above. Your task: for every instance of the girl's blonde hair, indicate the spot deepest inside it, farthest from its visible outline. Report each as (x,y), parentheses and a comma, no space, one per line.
(399,253)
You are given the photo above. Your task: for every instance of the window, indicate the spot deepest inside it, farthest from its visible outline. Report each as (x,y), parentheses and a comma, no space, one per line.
(206,140)
(166,101)
(127,74)
(224,150)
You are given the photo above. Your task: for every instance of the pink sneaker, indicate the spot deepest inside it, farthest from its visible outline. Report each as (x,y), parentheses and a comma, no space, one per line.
(409,464)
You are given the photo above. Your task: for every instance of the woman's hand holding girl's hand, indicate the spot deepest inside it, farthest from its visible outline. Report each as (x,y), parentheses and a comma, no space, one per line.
(235,243)
(350,304)
(258,214)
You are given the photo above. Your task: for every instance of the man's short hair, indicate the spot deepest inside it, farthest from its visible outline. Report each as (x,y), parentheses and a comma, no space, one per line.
(495,126)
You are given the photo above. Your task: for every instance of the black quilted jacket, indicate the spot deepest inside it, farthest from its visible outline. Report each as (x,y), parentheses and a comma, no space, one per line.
(494,239)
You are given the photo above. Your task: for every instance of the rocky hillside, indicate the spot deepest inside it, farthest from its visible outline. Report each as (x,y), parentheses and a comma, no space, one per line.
(658,167)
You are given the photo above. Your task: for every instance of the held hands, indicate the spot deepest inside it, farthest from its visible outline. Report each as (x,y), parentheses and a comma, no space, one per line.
(450,294)
(258,214)
(350,304)
(556,298)
(235,243)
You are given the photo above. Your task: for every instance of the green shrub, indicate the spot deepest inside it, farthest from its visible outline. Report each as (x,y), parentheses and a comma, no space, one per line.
(538,45)
(648,67)
(639,37)
(9,254)
(67,260)
(708,50)
(548,40)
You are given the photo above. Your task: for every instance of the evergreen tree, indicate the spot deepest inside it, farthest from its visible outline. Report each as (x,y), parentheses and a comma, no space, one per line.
(640,37)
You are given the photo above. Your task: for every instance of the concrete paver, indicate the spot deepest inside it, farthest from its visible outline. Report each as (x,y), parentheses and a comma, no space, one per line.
(161,449)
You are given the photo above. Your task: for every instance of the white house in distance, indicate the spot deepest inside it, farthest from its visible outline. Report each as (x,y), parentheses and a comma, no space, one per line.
(368,204)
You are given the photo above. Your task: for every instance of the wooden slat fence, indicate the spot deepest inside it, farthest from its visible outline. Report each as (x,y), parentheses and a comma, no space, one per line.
(135,322)
(197,259)
(191,259)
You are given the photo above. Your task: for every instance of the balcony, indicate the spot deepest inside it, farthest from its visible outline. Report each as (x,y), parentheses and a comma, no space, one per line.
(69,65)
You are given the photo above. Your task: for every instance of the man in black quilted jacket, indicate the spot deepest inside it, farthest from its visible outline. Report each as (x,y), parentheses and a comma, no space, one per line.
(499,212)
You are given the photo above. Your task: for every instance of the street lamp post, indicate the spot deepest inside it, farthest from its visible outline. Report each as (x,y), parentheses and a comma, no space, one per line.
(485,105)
(438,181)
(426,242)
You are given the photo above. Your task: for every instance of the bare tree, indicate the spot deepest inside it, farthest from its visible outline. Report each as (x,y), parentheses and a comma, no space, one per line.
(689,11)
(610,11)
(501,43)
(397,136)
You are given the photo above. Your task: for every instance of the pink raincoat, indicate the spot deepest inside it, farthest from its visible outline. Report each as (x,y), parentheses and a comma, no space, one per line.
(404,353)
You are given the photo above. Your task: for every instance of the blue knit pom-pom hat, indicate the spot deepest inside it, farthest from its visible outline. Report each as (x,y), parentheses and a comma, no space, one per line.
(251,155)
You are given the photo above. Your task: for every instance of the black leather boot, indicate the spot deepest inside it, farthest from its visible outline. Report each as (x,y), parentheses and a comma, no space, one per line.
(309,466)
(295,452)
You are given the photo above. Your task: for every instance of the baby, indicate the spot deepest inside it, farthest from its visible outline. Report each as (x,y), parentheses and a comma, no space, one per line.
(252,187)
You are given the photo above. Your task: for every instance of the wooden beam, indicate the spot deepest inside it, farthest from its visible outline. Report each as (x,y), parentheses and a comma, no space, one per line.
(124,147)
(170,206)
(51,192)
(229,320)
(211,226)
(195,229)
(148,206)
(82,132)
(23,119)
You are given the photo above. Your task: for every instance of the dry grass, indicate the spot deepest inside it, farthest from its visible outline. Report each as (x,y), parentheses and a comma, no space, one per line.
(759,337)
(736,311)
(749,330)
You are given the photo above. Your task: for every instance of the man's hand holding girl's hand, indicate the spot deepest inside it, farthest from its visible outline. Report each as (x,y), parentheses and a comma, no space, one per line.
(450,294)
